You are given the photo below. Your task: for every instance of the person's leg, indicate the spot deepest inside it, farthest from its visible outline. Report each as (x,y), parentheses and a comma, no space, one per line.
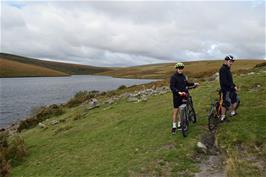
(233,97)
(225,105)
(223,113)
(234,107)
(175,112)
(176,120)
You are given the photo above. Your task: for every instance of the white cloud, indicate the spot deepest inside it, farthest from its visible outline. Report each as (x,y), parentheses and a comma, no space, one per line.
(133,33)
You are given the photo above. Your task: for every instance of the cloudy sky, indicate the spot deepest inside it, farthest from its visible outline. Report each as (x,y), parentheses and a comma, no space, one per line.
(133,33)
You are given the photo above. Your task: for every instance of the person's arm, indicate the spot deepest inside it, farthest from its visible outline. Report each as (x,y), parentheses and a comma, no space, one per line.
(232,84)
(191,84)
(172,85)
(223,79)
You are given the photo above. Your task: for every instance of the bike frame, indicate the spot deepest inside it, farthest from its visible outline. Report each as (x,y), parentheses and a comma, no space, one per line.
(185,114)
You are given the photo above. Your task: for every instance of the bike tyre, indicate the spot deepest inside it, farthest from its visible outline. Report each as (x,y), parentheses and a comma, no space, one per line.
(184,123)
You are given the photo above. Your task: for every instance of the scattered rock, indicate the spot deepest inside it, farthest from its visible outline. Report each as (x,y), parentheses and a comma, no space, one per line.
(201,148)
(90,108)
(251,73)
(255,87)
(54,122)
(112,100)
(163,92)
(213,77)
(143,98)
(125,95)
(41,125)
(139,96)
(137,149)
(216,76)
(132,99)
(93,102)
(109,101)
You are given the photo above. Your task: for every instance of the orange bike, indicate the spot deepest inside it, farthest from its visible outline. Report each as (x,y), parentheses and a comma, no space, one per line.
(216,111)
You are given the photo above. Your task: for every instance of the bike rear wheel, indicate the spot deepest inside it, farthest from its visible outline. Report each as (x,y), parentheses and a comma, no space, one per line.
(213,119)
(238,102)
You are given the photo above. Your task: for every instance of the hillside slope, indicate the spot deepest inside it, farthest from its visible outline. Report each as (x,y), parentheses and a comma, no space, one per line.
(195,69)
(134,139)
(9,68)
(69,69)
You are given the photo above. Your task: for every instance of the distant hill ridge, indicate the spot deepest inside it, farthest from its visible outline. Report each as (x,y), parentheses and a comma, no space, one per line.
(10,69)
(18,66)
(194,69)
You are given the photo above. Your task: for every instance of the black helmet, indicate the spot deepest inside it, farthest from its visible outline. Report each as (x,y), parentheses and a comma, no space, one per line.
(229,57)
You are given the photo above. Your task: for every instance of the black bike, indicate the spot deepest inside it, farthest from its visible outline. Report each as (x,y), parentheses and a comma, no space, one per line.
(187,114)
(216,111)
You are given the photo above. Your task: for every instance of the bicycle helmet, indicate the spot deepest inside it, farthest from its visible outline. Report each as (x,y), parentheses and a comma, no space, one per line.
(229,57)
(179,65)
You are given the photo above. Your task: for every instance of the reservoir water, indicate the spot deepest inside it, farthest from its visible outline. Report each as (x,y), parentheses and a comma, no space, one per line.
(19,96)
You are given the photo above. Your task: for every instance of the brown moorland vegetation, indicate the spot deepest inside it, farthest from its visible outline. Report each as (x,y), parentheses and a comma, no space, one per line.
(194,69)
(9,68)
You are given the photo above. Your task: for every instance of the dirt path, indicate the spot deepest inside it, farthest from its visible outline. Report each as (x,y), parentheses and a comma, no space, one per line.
(213,165)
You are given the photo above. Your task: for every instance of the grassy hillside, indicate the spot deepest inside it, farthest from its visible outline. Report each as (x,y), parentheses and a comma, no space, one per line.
(9,68)
(195,69)
(133,139)
(244,138)
(69,69)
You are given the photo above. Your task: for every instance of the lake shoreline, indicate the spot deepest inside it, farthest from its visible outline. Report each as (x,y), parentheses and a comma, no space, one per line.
(7,121)
(14,126)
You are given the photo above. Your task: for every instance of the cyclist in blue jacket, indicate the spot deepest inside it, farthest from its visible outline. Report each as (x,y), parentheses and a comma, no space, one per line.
(179,87)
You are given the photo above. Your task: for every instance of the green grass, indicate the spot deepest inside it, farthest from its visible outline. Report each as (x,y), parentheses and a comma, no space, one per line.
(133,139)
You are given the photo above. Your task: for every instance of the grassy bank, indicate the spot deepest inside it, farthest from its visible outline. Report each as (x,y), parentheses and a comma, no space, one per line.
(133,139)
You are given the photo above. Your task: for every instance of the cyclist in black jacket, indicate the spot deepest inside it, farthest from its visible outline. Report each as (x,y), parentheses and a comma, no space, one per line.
(179,86)
(228,88)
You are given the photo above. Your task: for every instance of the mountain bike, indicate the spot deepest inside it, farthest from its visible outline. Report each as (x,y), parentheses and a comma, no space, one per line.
(216,111)
(187,114)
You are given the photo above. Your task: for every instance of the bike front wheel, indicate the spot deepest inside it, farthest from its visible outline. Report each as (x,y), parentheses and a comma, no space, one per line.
(184,122)
(192,114)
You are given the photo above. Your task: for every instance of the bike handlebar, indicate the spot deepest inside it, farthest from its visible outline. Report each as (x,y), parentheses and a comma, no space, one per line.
(192,87)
